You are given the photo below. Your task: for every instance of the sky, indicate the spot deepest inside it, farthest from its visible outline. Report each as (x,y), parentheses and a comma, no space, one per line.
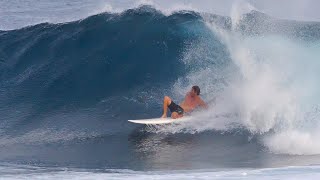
(18,13)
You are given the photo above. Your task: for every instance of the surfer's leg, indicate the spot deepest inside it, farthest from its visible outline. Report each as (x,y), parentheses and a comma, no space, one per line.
(177,111)
(176,115)
(166,103)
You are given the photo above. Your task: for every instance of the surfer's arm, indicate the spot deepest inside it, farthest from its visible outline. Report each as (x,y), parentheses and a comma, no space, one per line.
(202,103)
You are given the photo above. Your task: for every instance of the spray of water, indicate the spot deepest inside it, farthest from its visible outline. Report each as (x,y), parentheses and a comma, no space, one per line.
(271,89)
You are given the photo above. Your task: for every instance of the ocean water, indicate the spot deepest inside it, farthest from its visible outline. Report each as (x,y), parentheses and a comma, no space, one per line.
(70,80)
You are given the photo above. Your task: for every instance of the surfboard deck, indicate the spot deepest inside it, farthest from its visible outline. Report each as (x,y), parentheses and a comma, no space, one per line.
(156,121)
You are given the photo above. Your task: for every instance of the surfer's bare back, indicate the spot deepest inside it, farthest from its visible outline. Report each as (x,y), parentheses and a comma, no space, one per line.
(190,102)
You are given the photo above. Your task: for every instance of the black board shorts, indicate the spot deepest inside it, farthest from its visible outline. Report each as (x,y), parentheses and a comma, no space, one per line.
(175,108)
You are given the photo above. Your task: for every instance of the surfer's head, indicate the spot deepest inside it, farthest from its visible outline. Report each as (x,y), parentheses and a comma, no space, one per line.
(196,90)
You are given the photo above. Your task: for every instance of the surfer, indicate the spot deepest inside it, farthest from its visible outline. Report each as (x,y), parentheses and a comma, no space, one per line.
(190,102)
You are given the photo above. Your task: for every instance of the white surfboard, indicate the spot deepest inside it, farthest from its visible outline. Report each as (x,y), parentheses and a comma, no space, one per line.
(155,121)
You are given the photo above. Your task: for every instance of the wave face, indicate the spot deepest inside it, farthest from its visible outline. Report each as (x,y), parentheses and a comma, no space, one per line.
(68,89)
(101,59)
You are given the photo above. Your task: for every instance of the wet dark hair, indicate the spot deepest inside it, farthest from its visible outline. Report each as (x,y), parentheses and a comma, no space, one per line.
(196,89)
